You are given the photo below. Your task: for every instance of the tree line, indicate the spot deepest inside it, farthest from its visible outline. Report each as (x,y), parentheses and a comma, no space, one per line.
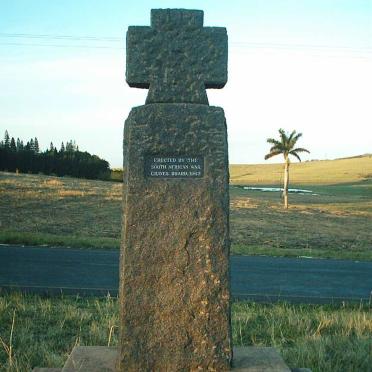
(68,160)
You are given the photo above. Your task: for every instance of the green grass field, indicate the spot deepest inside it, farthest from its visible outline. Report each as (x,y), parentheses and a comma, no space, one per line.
(334,223)
(41,331)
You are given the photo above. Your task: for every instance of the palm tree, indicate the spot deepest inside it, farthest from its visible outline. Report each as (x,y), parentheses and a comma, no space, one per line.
(285,146)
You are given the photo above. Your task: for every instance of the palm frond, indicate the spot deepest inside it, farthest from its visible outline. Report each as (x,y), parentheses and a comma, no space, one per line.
(300,149)
(295,138)
(291,136)
(273,141)
(295,155)
(283,137)
(285,145)
(278,147)
(273,153)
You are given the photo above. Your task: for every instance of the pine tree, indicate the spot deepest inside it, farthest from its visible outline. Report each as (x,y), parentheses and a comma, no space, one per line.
(32,145)
(74,146)
(19,145)
(69,146)
(6,140)
(13,145)
(17,157)
(36,144)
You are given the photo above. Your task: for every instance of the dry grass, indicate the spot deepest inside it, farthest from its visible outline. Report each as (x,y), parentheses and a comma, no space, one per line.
(60,206)
(321,172)
(53,182)
(335,223)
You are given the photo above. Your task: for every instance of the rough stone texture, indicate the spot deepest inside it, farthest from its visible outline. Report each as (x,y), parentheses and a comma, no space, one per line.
(174,276)
(258,359)
(176,58)
(91,359)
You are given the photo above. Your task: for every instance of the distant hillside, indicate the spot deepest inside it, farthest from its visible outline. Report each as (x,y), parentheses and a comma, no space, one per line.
(322,172)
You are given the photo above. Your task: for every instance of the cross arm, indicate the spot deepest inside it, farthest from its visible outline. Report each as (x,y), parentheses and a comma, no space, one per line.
(214,57)
(138,64)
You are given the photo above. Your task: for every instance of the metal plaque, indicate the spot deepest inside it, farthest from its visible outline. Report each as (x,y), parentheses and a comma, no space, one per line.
(174,166)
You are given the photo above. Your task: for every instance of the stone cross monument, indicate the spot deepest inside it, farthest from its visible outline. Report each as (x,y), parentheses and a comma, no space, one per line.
(174,260)
(176,58)
(174,270)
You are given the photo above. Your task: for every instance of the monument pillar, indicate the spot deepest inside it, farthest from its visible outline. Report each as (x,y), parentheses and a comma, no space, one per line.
(174,269)
(174,260)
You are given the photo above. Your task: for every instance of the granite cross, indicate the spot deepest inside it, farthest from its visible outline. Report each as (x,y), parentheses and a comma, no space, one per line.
(176,58)
(174,261)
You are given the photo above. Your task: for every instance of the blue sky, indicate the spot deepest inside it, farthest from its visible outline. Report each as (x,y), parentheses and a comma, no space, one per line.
(296,64)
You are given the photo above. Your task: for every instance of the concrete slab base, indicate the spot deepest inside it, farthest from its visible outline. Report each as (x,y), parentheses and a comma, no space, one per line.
(102,359)
(258,359)
(92,359)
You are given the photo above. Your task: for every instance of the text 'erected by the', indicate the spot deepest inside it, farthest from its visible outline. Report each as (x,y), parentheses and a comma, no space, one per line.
(176,166)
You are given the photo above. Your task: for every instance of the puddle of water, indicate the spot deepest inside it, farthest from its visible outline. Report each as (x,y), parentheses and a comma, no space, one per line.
(279,189)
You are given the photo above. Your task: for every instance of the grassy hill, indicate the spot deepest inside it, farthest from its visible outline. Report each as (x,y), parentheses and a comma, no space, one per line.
(317,172)
(334,220)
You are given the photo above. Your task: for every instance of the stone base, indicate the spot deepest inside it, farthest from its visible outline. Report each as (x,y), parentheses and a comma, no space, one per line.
(258,359)
(103,359)
(91,359)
